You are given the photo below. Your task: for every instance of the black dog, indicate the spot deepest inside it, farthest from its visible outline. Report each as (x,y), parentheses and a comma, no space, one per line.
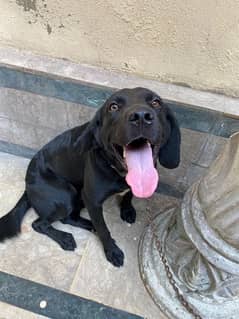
(117,150)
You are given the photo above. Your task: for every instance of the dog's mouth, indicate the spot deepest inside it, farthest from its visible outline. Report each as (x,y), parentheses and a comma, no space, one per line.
(138,157)
(134,144)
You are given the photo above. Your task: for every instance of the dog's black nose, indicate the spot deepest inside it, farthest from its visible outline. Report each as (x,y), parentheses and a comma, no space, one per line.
(141,116)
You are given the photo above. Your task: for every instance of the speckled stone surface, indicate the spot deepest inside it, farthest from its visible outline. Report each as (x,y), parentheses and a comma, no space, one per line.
(53,303)
(31,120)
(59,68)
(121,288)
(31,255)
(35,107)
(10,312)
(85,272)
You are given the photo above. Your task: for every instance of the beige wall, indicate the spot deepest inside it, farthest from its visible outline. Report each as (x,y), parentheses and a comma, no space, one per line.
(190,42)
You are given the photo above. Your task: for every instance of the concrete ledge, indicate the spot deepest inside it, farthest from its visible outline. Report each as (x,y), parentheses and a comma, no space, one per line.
(27,61)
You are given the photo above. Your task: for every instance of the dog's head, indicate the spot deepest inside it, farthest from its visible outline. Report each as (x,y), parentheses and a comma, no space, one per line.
(135,128)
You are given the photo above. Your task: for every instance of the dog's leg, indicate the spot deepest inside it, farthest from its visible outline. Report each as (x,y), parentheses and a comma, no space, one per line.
(74,219)
(113,253)
(79,222)
(64,239)
(127,211)
(53,200)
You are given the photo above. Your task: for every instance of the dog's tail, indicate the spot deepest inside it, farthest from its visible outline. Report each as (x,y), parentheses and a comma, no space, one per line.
(10,224)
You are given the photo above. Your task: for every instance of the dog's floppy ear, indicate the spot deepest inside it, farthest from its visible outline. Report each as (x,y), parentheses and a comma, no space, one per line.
(169,154)
(90,135)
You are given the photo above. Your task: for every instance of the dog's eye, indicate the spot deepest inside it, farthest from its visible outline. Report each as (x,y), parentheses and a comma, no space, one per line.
(155,103)
(114,107)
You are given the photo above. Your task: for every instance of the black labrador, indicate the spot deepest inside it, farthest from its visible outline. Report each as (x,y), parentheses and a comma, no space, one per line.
(116,151)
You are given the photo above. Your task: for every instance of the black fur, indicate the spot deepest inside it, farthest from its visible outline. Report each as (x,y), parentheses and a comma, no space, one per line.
(169,155)
(10,224)
(83,166)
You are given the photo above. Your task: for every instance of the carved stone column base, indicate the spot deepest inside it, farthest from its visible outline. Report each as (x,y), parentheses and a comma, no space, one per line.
(157,283)
(200,241)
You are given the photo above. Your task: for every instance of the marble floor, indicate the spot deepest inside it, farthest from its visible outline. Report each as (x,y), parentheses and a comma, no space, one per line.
(84,272)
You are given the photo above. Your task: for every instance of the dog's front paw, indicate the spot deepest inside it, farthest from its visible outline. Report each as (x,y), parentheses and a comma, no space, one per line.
(114,254)
(128,214)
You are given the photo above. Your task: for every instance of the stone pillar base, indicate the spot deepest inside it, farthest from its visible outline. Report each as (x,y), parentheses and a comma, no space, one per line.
(157,283)
(200,241)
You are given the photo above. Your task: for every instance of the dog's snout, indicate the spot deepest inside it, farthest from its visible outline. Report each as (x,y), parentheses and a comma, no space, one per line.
(141,116)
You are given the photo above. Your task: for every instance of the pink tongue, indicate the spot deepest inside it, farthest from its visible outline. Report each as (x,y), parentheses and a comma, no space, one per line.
(142,176)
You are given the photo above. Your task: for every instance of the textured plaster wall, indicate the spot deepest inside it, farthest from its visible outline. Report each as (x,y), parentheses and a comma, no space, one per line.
(189,42)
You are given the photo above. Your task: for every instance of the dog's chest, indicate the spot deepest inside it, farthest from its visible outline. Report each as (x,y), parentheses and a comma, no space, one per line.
(122,193)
